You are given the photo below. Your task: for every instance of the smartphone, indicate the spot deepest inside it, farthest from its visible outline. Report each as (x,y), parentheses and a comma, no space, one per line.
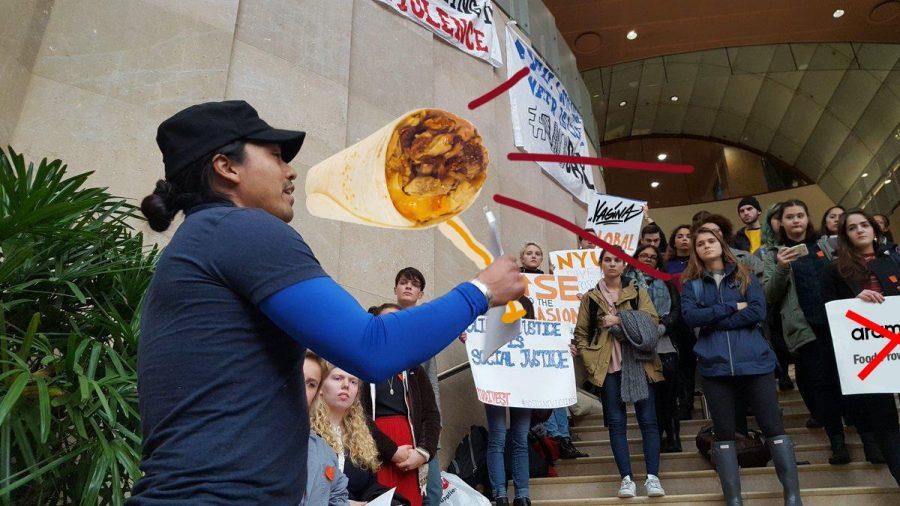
(800,249)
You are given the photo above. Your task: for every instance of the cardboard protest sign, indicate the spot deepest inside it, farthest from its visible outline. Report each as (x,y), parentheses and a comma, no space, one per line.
(555,299)
(616,220)
(581,263)
(856,345)
(545,119)
(534,370)
(469,25)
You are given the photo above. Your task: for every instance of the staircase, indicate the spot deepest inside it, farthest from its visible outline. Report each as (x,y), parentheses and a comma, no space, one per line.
(689,479)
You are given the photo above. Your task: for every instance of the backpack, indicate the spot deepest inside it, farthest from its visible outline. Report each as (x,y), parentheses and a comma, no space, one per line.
(470,460)
(540,457)
(751,449)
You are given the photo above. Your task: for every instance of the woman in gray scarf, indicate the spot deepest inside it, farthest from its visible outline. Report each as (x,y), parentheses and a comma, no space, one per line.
(616,336)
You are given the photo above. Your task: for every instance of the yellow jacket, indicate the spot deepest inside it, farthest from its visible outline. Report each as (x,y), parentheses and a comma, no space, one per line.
(596,353)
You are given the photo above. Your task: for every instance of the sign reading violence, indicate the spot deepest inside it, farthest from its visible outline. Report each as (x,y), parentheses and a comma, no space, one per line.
(466,24)
(545,119)
(855,345)
(616,220)
(534,370)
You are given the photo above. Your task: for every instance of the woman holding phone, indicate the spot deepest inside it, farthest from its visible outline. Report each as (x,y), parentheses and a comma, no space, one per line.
(793,284)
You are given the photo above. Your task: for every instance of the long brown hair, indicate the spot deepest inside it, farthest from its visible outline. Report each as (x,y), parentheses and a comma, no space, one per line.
(695,267)
(671,252)
(848,261)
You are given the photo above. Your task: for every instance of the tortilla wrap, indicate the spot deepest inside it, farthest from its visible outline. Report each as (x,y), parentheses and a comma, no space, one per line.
(419,170)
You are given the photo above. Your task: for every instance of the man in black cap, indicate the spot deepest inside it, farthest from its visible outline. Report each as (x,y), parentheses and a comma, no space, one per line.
(749,237)
(236,297)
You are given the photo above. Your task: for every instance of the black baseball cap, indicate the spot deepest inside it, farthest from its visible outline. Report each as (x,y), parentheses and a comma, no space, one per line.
(200,129)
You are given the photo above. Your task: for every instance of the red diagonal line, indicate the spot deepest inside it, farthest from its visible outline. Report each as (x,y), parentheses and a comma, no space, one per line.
(575,229)
(672,168)
(491,95)
(888,348)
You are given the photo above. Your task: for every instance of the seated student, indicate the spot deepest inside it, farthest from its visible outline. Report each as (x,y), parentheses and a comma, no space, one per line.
(866,269)
(727,303)
(338,417)
(407,426)
(616,338)
(325,484)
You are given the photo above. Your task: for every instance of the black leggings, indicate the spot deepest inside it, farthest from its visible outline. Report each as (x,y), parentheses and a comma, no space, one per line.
(817,380)
(757,390)
(667,394)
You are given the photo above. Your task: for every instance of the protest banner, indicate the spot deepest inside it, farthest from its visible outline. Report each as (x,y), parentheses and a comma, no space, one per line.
(544,118)
(584,264)
(534,370)
(466,24)
(855,345)
(616,220)
(555,299)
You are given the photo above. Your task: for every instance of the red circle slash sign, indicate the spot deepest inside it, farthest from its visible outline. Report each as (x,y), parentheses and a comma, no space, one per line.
(888,348)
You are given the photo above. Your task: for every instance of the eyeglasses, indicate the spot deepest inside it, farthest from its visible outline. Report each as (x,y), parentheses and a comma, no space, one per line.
(647,257)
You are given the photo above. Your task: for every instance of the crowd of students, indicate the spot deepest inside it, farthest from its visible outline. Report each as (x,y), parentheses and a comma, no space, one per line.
(740,308)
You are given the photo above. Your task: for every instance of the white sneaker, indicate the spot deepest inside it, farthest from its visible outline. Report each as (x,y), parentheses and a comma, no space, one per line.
(654,487)
(627,488)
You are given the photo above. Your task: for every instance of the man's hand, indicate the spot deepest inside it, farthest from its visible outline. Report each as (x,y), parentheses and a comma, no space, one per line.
(401,454)
(610,320)
(504,280)
(414,461)
(871,296)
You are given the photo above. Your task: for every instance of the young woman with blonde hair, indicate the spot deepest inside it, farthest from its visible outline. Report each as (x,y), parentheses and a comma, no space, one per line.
(338,417)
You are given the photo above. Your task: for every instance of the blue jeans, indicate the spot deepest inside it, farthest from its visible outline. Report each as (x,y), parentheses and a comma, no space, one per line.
(616,421)
(434,488)
(558,423)
(520,422)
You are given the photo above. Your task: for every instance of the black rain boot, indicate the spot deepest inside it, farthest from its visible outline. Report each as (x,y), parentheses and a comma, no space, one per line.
(785,383)
(839,453)
(724,457)
(782,449)
(522,501)
(676,435)
(501,501)
(889,442)
(870,448)
(567,450)
(812,423)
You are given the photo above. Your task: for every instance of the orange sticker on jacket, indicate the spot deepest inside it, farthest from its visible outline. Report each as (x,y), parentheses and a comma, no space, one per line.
(329,473)
(820,254)
(893,279)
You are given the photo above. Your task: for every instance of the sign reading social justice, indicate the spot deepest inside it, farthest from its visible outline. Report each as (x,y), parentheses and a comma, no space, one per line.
(555,299)
(466,24)
(584,264)
(616,220)
(855,346)
(534,370)
(544,118)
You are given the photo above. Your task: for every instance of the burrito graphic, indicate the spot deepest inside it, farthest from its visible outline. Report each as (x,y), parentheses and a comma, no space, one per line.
(419,170)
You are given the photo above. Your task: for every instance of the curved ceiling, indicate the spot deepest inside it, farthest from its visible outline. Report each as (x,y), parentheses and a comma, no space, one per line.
(596,29)
(830,110)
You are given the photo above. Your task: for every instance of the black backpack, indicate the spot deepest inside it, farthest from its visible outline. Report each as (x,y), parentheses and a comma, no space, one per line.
(470,460)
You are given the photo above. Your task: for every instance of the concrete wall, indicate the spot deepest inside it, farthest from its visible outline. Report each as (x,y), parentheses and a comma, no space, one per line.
(88,81)
(670,217)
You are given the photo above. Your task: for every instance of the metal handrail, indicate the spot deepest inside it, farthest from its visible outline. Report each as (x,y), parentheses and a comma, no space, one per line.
(453,371)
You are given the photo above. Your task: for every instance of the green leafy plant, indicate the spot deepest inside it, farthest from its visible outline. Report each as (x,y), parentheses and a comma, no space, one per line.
(73,272)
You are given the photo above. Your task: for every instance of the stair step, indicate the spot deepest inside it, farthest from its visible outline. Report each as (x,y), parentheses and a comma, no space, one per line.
(761,479)
(801,436)
(689,460)
(689,428)
(789,407)
(871,496)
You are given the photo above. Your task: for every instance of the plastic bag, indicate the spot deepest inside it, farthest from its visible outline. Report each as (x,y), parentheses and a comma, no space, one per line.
(455,492)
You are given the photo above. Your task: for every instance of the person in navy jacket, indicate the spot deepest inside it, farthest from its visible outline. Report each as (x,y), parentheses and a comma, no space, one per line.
(726,302)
